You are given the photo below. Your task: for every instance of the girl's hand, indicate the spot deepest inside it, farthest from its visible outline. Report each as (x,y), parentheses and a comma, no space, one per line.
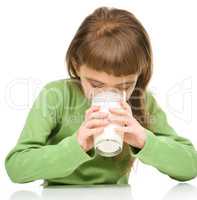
(134,133)
(93,124)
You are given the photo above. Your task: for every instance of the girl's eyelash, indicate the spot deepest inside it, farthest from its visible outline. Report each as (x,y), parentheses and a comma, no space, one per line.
(95,86)
(123,88)
(98,86)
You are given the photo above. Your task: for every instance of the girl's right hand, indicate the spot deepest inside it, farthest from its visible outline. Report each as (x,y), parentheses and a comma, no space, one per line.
(93,125)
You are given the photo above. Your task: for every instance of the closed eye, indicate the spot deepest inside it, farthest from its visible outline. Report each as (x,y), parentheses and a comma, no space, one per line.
(96,86)
(100,86)
(123,87)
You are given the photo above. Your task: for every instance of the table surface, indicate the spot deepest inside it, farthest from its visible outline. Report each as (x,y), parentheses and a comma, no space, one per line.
(145,182)
(180,191)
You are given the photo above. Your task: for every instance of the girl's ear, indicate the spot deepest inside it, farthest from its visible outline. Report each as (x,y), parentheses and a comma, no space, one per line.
(75,65)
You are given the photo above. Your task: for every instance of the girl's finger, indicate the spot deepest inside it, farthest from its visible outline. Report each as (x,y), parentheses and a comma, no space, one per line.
(118,111)
(93,123)
(95,131)
(124,129)
(123,121)
(97,115)
(91,110)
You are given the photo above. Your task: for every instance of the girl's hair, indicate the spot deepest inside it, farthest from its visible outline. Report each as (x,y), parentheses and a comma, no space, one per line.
(112,40)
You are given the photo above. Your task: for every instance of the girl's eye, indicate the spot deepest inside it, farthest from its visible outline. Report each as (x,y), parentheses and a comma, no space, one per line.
(126,88)
(96,86)
(100,86)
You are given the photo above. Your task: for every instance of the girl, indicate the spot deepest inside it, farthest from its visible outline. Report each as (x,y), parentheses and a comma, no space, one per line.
(110,49)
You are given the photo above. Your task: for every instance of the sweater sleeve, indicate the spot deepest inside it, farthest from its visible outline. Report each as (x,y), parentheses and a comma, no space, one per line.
(164,149)
(32,158)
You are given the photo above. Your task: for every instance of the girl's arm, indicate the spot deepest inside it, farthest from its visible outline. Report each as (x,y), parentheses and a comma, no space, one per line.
(164,149)
(32,159)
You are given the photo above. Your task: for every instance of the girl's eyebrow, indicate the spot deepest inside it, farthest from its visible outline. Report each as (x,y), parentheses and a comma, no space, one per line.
(128,82)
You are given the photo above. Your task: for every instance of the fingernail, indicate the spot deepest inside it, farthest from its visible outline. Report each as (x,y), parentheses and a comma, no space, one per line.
(96,107)
(106,121)
(115,129)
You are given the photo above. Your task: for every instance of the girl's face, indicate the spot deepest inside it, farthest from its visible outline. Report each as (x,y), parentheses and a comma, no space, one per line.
(92,81)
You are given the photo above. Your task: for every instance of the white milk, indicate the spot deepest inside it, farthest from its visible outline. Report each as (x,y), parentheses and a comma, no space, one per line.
(109,143)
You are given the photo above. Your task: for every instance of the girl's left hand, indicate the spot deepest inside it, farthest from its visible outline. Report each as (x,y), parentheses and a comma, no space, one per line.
(134,133)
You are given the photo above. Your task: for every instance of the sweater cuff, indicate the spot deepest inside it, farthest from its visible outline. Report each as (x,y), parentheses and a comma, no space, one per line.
(78,155)
(146,152)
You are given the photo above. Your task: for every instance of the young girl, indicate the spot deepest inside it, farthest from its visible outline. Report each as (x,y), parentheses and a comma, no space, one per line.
(111,49)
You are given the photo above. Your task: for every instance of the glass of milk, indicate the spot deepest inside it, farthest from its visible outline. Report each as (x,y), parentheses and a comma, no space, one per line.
(109,143)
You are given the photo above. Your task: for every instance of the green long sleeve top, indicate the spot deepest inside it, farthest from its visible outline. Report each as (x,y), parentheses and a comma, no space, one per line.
(48,148)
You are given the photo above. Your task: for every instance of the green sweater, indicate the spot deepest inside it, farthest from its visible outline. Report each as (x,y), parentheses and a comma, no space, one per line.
(48,148)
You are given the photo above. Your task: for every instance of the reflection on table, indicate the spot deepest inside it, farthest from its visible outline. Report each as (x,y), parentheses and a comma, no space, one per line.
(87,192)
(182,191)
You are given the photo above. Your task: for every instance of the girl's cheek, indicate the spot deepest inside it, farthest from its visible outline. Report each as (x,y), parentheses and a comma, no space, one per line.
(86,89)
(88,92)
(128,94)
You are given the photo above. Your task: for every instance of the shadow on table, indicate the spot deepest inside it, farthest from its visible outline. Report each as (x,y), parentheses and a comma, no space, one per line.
(88,192)
(182,191)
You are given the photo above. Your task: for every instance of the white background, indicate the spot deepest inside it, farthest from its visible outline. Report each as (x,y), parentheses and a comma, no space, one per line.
(34,37)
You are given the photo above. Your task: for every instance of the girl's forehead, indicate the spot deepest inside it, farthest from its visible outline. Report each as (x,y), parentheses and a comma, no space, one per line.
(103,77)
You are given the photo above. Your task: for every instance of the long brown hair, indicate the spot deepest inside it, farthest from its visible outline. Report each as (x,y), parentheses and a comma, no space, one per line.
(114,41)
